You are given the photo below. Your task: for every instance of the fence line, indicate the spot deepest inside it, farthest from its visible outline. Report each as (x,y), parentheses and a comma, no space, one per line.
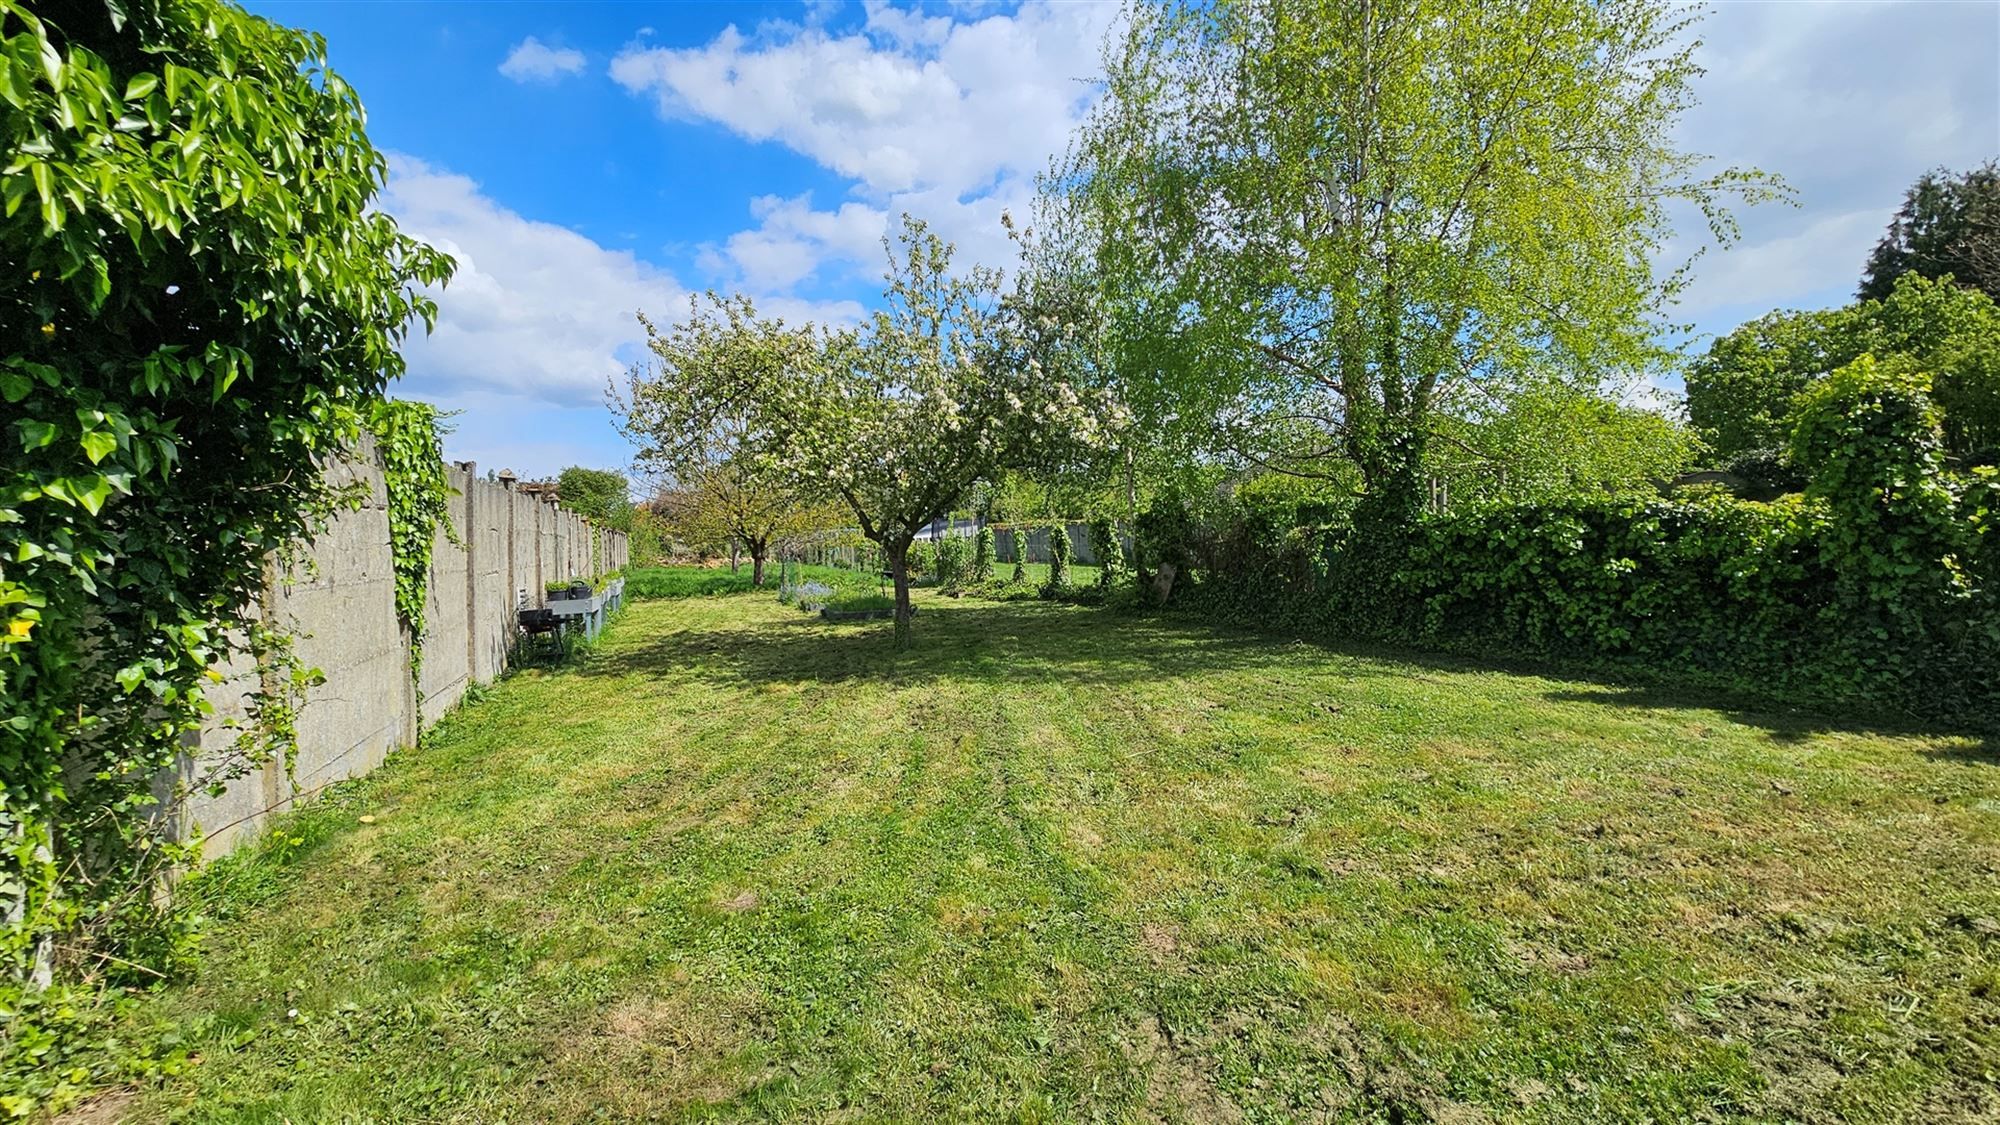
(506,544)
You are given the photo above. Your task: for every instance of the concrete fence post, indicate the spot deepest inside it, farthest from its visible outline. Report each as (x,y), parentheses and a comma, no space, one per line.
(470,533)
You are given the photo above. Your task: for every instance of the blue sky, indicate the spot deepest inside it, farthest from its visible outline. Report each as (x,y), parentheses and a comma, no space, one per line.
(585,161)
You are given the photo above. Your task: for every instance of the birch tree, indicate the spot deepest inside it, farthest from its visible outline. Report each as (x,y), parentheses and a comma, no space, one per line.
(1321,223)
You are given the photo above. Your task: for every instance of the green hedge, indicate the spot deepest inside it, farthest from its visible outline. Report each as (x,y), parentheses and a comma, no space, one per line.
(1880,583)
(1714,590)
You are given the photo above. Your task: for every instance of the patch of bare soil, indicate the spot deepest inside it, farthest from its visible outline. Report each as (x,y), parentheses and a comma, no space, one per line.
(1159,941)
(106,1108)
(650,1056)
(1177,1087)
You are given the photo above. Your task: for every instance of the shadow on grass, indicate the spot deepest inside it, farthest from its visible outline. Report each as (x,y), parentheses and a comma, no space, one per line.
(1032,641)
(1017,642)
(1785,724)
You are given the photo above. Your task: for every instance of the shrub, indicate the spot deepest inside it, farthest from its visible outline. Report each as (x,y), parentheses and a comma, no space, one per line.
(1776,599)
(1059,559)
(982,556)
(953,566)
(858,602)
(1165,535)
(1109,549)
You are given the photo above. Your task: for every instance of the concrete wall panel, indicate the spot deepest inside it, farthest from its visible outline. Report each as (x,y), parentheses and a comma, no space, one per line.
(340,605)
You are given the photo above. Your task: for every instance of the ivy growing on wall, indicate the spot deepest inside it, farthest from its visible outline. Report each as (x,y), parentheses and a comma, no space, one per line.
(409,438)
(169,398)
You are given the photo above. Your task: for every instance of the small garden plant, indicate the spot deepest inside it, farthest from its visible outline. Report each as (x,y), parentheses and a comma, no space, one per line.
(808,596)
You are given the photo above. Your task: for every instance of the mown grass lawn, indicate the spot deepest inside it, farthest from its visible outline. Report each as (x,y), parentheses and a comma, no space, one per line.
(1056,864)
(646,582)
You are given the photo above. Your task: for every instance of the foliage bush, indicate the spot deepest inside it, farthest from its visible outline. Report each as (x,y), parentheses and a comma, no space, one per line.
(954,567)
(855,601)
(1060,551)
(1167,534)
(1109,549)
(1879,583)
(202,303)
(982,556)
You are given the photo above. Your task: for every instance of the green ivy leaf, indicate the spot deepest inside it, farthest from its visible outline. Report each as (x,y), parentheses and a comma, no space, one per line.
(97,445)
(35,435)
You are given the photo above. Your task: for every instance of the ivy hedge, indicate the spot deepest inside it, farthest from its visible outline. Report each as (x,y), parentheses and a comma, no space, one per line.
(201,307)
(409,440)
(1879,583)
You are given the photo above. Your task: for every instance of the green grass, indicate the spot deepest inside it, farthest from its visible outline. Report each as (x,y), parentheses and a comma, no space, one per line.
(1055,864)
(650,582)
(1038,573)
(1002,587)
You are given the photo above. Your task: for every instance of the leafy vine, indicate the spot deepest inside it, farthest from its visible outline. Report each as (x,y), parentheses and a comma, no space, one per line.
(409,437)
(199,302)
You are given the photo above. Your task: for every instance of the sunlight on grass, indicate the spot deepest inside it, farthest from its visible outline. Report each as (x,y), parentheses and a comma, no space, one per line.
(1056,864)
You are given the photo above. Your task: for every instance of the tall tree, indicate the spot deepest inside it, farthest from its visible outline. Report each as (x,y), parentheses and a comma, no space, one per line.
(1321,223)
(1741,394)
(948,384)
(1948,225)
(602,496)
(734,501)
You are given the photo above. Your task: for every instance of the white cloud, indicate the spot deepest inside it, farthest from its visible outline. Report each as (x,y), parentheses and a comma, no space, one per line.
(793,241)
(535,309)
(1780,267)
(904,27)
(912,102)
(947,120)
(531,60)
(1848,102)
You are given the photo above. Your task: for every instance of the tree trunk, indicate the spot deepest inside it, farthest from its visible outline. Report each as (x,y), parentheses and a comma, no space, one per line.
(899,569)
(1131,489)
(758,549)
(734,563)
